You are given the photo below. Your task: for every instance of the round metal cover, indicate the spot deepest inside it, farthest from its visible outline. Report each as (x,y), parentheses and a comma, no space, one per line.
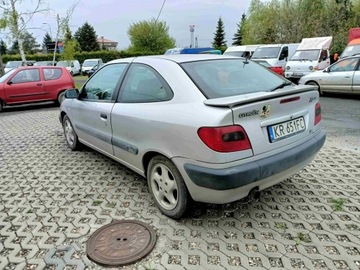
(121,242)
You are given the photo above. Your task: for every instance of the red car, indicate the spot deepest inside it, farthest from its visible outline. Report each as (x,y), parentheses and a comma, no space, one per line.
(34,84)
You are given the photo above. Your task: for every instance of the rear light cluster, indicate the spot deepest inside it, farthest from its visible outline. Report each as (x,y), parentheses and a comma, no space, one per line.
(317,114)
(225,139)
(278,70)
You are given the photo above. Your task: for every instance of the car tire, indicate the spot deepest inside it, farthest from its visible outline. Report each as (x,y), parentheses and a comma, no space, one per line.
(167,187)
(71,137)
(315,84)
(1,105)
(60,98)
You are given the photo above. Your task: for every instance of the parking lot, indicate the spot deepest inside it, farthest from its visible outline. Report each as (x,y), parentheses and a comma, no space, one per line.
(53,199)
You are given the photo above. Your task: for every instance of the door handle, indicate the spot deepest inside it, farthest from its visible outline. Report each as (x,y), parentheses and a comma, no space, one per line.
(103,115)
(39,84)
(347,77)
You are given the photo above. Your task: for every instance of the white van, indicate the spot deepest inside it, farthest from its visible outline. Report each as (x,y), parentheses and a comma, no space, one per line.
(241,51)
(312,54)
(89,64)
(73,66)
(276,55)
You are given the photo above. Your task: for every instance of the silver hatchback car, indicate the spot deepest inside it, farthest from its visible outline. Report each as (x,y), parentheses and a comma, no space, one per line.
(199,127)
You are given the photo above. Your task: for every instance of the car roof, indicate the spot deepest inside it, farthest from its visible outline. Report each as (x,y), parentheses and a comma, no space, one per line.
(33,67)
(178,58)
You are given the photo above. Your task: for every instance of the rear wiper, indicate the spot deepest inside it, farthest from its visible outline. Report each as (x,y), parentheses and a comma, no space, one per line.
(282,85)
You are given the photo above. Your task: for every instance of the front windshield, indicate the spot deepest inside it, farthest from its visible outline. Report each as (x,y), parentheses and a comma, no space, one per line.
(230,77)
(266,52)
(312,55)
(13,64)
(90,63)
(7,75)
(237,53)
(351,50)
(63,64)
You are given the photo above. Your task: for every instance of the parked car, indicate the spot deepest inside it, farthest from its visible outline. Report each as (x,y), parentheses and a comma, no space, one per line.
(92,71)
(44,63)
(73,66)
(89,64)
(277,70)
(341,77)
(202,127)
(12,64)
(34,84)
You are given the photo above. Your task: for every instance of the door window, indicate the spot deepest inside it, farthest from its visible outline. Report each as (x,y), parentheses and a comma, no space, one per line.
(102,85)
(52,73)
(143,84)
(26,75)
(345,65)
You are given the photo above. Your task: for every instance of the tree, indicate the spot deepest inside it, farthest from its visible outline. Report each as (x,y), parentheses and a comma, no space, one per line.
(150,36)
(46,40)
(219,42)
(29,44)
(237,40)
(87,38)
(70,45)
(17,21)
(3,47)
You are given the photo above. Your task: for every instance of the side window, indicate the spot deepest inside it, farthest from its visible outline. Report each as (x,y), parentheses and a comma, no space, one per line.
(284,53)
(324,55)
(143,84)
(52,73)
(27,75)
(101,86)
(345,65)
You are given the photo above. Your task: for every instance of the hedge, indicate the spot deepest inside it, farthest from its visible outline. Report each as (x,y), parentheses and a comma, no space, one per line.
(106,56)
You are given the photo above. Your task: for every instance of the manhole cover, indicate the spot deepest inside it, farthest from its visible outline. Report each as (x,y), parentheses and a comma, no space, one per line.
(121,242)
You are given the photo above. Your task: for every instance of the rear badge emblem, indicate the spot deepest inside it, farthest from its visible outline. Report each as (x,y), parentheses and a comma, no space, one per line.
(265,111)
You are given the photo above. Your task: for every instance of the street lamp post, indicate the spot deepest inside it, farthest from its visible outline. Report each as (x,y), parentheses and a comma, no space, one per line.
(49,29)
(56,37)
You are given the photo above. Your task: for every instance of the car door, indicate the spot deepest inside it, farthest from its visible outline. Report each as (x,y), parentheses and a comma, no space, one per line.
(356,80)
(91,112)
(25,86)
(142,92)
(339,77)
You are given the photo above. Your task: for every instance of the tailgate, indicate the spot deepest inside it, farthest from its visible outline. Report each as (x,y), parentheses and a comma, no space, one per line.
(277,122)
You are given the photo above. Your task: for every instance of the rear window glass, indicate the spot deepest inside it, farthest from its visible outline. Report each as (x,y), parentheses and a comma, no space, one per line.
(231,77)
(52,73)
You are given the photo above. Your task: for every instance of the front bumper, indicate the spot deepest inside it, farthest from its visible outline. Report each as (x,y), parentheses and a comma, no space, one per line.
(250,173)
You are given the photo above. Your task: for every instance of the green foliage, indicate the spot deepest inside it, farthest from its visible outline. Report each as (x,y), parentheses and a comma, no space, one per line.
(150,37)
(219,42)
(47,38)
(338,204)
(86,36)
(288,21)
(29,43)
(237,39)
(106,56)
(69,49)
(3,47)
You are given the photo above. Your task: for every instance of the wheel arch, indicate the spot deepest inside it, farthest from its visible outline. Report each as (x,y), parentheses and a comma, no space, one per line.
(313,82)
(148,156)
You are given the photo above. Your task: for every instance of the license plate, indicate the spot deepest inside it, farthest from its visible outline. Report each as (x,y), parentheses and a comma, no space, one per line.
(298,74)
(286,129)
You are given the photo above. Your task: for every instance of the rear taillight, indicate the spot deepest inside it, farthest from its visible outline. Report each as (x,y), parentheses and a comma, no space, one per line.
(225,139)
(317,113)
(278,70)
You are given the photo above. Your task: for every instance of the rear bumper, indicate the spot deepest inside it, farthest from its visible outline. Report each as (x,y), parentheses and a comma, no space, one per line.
(252,172)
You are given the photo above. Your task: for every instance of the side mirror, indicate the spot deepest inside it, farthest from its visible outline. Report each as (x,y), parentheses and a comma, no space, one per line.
(282,56)
(326,70)
(10,82)
(71,93)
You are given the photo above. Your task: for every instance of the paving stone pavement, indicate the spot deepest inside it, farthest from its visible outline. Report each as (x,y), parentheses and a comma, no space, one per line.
(52,200)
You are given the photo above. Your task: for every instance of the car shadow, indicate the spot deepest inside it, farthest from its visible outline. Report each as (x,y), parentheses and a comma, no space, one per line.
(343,96)
(29,107)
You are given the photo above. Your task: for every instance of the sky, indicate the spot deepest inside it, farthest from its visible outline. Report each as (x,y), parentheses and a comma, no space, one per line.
(112,18)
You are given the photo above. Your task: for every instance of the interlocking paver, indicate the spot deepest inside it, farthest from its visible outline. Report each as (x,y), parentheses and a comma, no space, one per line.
(52,200)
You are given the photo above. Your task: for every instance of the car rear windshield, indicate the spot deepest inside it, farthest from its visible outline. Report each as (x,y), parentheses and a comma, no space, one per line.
(231,77)
(266,52)
(90,63)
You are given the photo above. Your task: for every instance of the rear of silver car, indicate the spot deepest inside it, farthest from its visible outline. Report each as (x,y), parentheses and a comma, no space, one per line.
(278,132)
